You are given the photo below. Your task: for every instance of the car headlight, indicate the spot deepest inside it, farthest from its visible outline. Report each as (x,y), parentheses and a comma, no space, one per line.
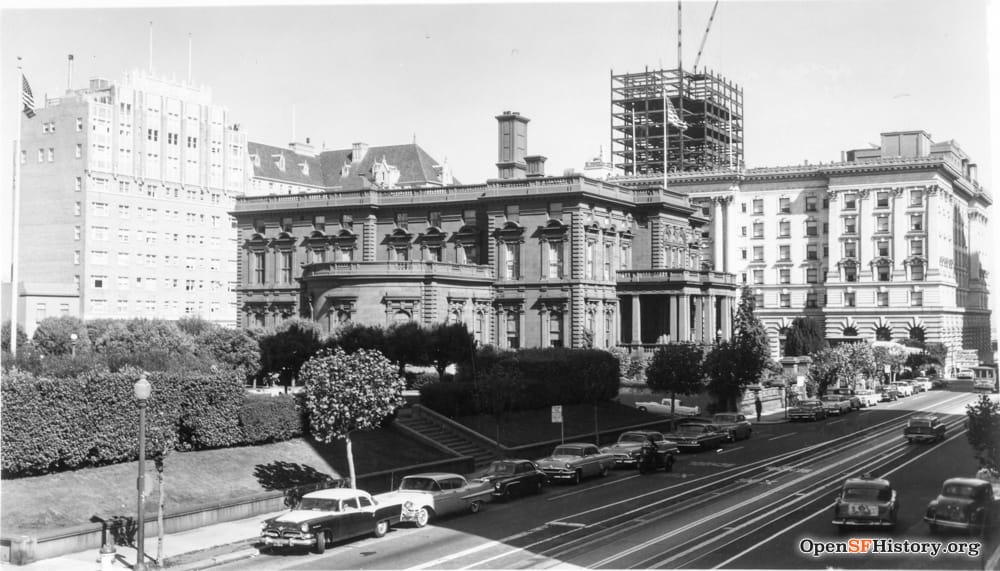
(263,526)
(568,466)
(408,505)
(304,528)
(496,486)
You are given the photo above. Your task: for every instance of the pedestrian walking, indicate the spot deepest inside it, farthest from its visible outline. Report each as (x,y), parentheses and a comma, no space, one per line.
(758,405)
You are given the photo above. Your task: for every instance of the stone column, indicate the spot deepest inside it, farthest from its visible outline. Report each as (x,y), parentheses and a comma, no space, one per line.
(699,318)
(710,318)
(930,226)
(899,246)
(866,227)
(833,238)
(636,320)
(718,236)
(684,317)
(727,317)
(674,323)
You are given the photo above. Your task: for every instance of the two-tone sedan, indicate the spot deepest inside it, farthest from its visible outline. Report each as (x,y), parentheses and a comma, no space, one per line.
(575,461)
(327,516)
(924,428)
(515,477)
(735,425)
(807,409)
(629,447)
(693,437)
(868,397)
(434,494)
(866,501)
(837,404)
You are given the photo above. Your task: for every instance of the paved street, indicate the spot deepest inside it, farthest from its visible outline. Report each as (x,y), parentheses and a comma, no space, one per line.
(748,505)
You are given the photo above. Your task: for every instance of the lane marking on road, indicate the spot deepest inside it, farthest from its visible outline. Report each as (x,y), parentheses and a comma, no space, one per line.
(726,451)
(588,488)
(483,546)
(836,421)
(782,436)
(566,524)
(798,524)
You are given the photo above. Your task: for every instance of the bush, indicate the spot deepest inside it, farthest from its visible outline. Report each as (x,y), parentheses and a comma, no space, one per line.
(270,419)
(451,399)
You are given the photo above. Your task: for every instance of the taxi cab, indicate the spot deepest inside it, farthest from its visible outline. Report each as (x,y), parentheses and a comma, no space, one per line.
(866,501)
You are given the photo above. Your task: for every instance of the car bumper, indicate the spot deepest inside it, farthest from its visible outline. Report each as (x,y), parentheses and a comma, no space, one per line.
(301,541)
(862,522)
(922,437)
(953,524)
(560,474)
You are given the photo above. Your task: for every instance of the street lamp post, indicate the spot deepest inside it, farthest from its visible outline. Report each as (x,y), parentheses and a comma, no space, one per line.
(72,343)
(718,336)
(142,390)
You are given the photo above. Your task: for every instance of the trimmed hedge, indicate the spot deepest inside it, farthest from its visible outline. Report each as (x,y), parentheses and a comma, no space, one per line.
(551,376)
(50,425)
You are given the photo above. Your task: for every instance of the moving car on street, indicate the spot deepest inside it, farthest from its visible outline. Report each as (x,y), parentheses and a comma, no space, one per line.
(808,409)
(627,450)
(575,461)
(511,478)
(327,516)
(924,428)
(866,501)
(697,436)
(837,404)
(435,494)
(735,425)
(868,397)
(663,407)
(903,388)
(968,504)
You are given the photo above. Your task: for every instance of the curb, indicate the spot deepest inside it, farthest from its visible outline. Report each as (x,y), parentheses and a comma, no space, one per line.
(212,556)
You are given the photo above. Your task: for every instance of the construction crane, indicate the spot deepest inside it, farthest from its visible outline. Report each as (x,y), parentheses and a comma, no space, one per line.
(705,37)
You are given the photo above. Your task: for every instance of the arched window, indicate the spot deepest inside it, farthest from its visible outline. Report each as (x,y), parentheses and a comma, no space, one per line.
(850,332)
(400,318)
(917,333)
(883,333)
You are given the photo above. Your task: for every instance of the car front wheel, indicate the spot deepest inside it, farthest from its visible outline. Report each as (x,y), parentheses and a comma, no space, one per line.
(474,507)
(577,477)
(423,516)
(381,528)
(321,539)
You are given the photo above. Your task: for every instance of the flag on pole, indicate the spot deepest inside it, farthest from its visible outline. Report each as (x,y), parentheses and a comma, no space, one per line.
(27,98)
(672,117)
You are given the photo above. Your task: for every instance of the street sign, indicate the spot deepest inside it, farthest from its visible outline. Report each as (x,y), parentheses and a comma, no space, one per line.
(557,413)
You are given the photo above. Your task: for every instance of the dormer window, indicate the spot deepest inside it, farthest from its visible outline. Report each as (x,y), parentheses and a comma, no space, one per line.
(256,159)
(345,170)
(305,168)
(279,160)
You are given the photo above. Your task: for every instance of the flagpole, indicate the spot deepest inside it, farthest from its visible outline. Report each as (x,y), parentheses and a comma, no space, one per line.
(15,213)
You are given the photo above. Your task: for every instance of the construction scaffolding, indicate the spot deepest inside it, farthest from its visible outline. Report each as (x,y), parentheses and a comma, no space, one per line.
(708,135)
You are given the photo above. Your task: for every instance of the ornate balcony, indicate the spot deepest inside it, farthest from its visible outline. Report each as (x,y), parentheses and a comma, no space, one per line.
(404,269)
(677,276)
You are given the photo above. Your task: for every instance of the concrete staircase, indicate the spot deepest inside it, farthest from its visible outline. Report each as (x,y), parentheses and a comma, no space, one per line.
(449,438)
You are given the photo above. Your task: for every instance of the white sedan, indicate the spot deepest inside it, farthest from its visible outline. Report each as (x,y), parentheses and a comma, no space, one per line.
(663,407)
(904,389)
(868,397)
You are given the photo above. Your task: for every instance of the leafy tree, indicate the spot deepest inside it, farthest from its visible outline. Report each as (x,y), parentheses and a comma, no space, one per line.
(354,336)
(498,391)
(447,344)
(862,359)
(920,361)
(231,348)
(984,432)
(195,325)
(407,344)
(150,344)
(829,366)
(892,356)
(937,351)
(292,343)
(805,337)
(677,369)
(740,362)
(599,382)
(22,337)
(54,335)
(348,392)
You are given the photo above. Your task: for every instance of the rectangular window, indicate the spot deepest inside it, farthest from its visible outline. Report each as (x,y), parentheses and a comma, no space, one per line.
(758,300)
(850,273)
(758,206)
(784,229)
(79,123)
(98,281)
(883,299)
(784,253)
(916,247)
(786,300)
(850,201)
(811,299)
(511,254)
(41,155)
(743,231)
(850,249)
(591,254)
(286,267)
(607,261)
(882,224)
(434,253)
(758,276)
(850,225)
(812,275)
(883,248)
(811,228)
(78,152)
(785,205)
(884,272)
(402,220)
(258,267)
(434,218)
(758,229)
(51,154)
(916,222)
(758,253)
(743,253)
(513,330)
(785,276)
(812,252)
(882,199)
(916,298)
(555,329)
(743,207)
(916,198)
(849,298)
(917,272)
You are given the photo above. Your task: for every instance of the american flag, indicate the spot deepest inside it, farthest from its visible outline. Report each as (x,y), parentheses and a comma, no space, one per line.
(672,116)
(27,98)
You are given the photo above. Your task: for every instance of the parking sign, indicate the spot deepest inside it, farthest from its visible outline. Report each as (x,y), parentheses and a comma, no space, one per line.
(557,413)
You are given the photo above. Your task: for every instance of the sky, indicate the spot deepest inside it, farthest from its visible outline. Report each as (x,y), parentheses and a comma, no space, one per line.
(819,77)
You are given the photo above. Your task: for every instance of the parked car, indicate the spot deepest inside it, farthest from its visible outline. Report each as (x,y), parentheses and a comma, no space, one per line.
(868,397)
(836,404)
(969,504)
(903,388)
(866,501)
(435,494)
(516,477)
(663,407)
(575,461)
(924,383)
(326,516)
(697,436)
(965,374)
(807,409)
(888,393)
(627,450)
(924,428)
(735,425)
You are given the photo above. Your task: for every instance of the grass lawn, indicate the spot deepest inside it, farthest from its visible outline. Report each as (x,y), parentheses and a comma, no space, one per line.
(196,478)
(528,426)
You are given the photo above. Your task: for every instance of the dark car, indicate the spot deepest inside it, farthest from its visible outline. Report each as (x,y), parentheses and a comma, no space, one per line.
(888,393)
(967,504)
(924,428)
(697,436)
(866,501)
(511,478)
(329,515)
(629,446)
(735,425)
(808,409)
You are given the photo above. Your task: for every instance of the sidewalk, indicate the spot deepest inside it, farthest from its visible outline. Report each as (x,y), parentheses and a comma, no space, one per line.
(183,551)
(773,417)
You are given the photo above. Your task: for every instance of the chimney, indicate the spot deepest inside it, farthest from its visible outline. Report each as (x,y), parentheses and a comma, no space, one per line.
(305,149)
(513,145)
(358,152)
(535,166)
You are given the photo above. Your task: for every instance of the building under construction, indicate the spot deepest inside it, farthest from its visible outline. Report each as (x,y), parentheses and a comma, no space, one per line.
(696,116)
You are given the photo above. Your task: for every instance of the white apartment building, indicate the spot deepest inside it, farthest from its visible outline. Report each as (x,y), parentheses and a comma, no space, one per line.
(888,243)
(126,189)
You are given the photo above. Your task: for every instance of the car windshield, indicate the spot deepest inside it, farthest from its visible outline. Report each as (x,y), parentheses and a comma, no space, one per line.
(500,469)
(691,429)
(724,418)
(632,437)
(920,423)
(867,494)
(319,504)
(809,403)
(567,451)
(959,491)
(418,484)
